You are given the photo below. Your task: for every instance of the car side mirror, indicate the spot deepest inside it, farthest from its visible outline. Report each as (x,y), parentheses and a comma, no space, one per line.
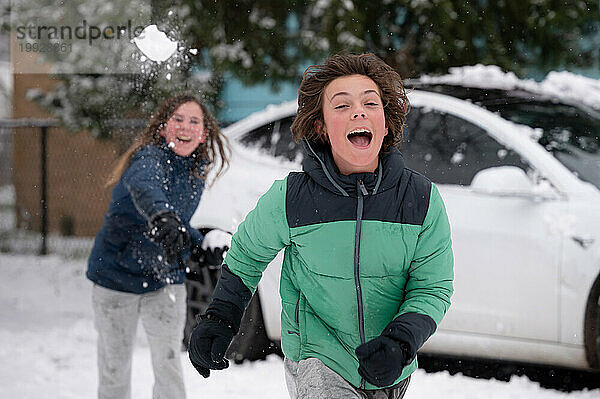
(511,181)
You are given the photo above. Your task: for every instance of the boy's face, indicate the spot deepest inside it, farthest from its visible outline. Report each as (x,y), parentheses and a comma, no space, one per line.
(354,123)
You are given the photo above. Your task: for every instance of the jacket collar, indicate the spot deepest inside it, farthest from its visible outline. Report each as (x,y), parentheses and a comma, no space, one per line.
(188,162)
(321,167)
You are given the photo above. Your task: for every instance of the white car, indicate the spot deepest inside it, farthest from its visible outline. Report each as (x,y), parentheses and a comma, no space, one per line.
(525,230)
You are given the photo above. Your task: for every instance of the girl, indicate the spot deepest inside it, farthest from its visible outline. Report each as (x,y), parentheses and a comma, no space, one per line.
(136,263)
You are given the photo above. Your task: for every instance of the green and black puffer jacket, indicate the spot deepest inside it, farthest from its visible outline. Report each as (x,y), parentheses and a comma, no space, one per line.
(360,251)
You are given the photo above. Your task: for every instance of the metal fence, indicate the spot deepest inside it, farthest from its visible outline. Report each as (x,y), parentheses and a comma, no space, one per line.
(7,192)
(51,196)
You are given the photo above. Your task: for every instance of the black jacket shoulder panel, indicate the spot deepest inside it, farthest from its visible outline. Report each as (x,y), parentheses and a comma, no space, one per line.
(415,202)
(298,200)
(309,203)
(405,203)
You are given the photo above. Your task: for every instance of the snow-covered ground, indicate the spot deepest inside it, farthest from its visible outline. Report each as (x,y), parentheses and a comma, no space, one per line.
(47,347)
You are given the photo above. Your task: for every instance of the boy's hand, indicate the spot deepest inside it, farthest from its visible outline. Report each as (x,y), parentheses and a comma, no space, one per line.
(208,343)
(381,360)
(215,330)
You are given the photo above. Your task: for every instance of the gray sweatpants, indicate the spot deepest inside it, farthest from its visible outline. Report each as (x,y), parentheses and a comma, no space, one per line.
(311,379)
(116,317)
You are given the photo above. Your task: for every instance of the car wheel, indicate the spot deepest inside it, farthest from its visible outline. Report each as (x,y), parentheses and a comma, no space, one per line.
(200,283)
(592,326)
(252,342)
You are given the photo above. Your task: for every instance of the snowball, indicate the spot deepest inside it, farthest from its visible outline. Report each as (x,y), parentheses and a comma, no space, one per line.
(155,44)
(216,239)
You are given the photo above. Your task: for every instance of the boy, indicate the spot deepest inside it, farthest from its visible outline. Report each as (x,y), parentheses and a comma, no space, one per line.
(368,267)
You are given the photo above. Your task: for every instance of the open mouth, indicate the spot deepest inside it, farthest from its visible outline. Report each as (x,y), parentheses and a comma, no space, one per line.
(184,139)
(360,137)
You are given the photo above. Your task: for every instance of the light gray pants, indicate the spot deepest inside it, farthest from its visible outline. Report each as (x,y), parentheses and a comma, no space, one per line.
(116,317)
(311,379)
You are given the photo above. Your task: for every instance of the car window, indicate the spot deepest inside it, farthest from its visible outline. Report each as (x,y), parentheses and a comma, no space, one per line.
(451,150)
(275,138)
(571,134)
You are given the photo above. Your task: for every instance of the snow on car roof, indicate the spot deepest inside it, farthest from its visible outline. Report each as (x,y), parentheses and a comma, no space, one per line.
(268,114)
(566,86)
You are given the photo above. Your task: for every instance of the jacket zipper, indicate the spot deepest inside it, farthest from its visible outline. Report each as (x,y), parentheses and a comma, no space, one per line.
(362,191)
(296,318)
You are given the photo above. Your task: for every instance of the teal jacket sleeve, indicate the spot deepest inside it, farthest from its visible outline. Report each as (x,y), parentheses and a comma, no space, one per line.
(259,238)
(431,272)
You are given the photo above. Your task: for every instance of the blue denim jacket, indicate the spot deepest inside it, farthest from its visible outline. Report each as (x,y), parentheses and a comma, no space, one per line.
(123,258)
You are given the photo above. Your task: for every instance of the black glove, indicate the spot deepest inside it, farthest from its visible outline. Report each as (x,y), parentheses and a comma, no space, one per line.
(208,343)
(167,230)
(208,256)
(215,330)
(381,360)
(211,250)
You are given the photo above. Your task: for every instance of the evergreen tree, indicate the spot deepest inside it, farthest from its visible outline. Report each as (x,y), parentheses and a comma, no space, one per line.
(271,40)
(274,40)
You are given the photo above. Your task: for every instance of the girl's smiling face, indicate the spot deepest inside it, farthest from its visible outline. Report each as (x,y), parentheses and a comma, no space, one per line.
(184,131)
(354,123)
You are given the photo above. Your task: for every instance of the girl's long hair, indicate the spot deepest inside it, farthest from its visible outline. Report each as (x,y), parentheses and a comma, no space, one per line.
(212,153)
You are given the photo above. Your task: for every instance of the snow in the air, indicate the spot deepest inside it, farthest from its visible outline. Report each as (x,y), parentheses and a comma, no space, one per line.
(155,44)
(565,85)
(48,348)
(232,52)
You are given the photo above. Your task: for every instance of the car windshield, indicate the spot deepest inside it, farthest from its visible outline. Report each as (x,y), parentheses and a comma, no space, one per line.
(570,132)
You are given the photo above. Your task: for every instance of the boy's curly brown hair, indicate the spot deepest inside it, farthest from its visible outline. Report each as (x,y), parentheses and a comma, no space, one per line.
(317,77)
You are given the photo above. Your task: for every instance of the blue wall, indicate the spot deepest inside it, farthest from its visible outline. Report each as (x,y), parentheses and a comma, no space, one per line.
(240,100)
